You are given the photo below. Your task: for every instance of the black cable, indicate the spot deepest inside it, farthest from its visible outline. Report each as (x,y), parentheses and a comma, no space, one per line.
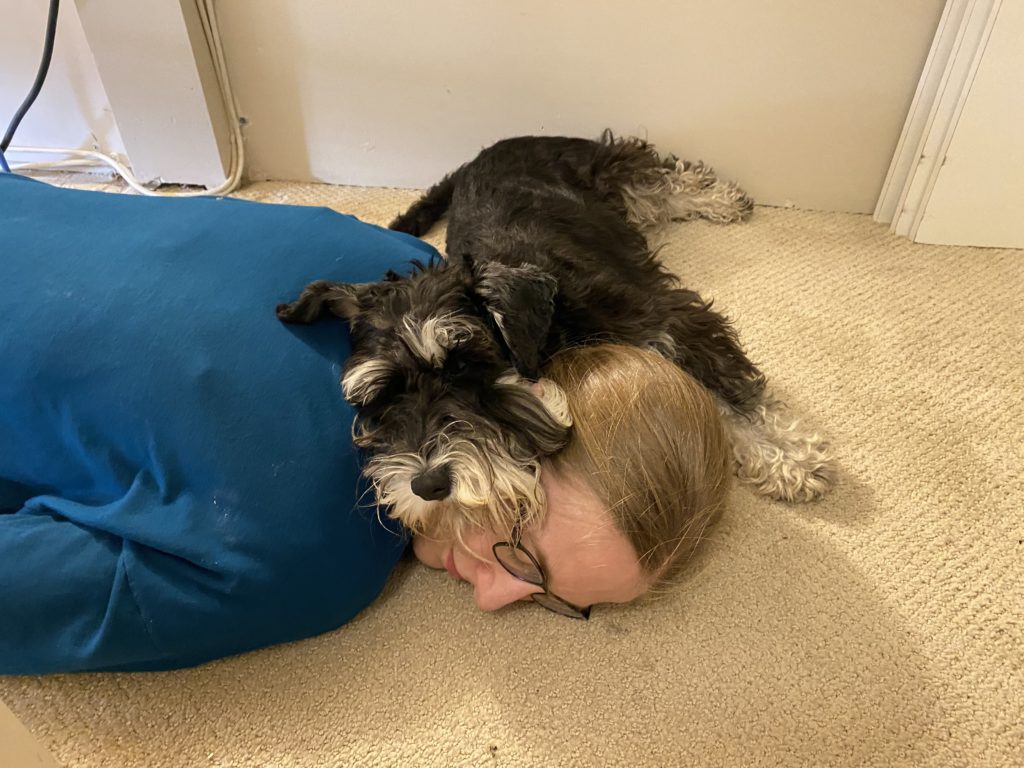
(44,66)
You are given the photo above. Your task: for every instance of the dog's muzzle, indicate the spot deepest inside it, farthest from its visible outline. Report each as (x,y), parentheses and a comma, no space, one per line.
(432,485)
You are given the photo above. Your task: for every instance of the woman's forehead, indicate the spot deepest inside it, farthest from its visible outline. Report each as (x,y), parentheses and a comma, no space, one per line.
(586,557)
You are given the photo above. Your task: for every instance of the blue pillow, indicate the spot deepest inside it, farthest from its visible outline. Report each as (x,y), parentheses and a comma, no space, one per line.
(177,478)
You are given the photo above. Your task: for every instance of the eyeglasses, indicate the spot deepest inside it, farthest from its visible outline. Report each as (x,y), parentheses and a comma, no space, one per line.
(521,563)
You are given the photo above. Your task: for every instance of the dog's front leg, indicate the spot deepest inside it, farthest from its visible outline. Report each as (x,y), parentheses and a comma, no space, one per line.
(703,342)
(320,298)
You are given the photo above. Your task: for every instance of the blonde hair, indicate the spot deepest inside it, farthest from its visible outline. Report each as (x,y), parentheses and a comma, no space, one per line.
(647,440)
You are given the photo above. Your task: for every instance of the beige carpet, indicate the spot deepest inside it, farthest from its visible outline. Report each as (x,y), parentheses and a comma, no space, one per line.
(882,626)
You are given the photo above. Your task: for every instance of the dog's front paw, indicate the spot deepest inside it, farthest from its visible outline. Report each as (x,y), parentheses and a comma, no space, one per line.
(801,472)
(779,460)
(289,313)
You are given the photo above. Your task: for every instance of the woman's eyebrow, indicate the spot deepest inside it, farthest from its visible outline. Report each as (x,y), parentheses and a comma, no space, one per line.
(552,580)
(530,542)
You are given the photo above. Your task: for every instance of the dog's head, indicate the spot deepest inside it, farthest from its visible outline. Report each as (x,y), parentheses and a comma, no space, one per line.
(444,373)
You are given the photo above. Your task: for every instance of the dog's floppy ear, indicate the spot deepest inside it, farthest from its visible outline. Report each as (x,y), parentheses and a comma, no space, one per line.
(323,297)
(522,302)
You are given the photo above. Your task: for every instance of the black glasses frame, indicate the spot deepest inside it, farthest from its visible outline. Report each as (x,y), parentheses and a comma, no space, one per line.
(547,598)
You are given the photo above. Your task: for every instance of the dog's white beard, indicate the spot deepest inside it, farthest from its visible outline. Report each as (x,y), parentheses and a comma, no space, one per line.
(489,489)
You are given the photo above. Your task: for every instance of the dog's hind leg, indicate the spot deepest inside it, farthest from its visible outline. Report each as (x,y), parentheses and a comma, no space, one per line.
(426,211)
(696,192)
(656,190)
(678,190)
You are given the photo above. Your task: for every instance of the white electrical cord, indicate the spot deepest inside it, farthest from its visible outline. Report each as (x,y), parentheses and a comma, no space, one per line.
(86,157)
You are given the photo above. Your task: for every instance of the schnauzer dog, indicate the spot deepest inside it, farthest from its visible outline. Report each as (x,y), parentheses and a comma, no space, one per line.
(546,249)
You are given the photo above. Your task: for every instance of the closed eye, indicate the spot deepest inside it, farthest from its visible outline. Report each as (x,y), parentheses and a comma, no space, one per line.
(458,365)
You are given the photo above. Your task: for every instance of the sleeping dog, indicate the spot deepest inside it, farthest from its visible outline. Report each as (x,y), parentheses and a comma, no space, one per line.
(545,250)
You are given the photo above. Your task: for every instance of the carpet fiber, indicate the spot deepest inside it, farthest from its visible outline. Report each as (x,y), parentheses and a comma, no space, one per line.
(882,626)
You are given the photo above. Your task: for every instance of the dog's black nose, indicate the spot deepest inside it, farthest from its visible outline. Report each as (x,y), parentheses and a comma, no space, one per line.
(433,484)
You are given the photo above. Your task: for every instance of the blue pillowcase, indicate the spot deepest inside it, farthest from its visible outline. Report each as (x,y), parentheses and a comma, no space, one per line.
(177,478)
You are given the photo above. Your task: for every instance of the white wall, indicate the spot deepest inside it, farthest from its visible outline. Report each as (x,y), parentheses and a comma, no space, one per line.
(802,101)
(72,109)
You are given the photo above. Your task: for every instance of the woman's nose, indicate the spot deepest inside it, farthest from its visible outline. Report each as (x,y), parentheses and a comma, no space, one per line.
(495,588)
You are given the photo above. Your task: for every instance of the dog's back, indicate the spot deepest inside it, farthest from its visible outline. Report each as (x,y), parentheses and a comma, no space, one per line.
(566,205)
(538,170)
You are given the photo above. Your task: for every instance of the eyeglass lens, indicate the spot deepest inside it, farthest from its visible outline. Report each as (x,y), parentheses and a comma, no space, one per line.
(522,566)
(519,564)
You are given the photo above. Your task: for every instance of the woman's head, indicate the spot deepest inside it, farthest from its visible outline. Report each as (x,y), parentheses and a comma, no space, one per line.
(647,468)
(649,443)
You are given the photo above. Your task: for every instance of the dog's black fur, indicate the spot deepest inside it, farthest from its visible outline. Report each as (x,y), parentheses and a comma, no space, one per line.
(557,204)
(542,255)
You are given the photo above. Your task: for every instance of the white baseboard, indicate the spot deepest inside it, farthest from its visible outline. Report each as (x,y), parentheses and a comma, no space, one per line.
(942,91)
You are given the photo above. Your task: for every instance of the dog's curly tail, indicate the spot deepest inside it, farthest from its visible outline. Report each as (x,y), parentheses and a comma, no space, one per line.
(422,214)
